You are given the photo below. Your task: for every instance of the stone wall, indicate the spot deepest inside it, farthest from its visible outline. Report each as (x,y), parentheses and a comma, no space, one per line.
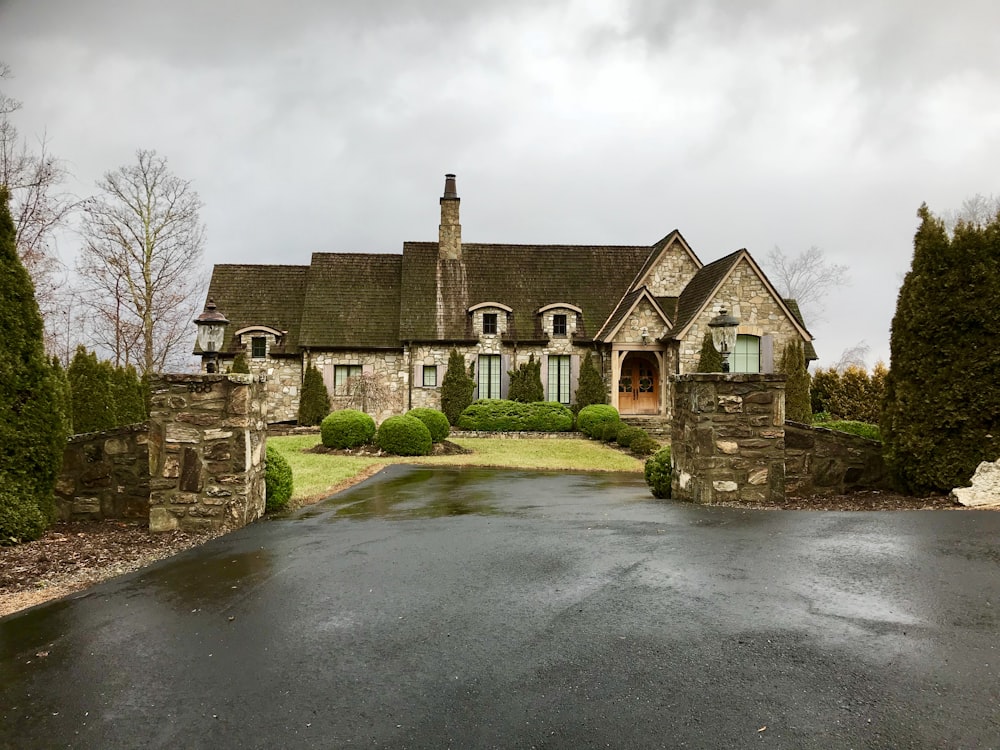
(207,439)
(728,438)
(672,273)
(105,475)
(826,462)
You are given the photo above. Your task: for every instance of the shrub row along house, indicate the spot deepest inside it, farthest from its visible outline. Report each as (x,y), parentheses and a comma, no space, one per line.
(642,311)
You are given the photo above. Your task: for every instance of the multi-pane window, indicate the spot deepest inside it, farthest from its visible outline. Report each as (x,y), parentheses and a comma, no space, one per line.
(746,354)
(558,325)
(489,322)
(258,347)
(559,378)
(489,375)
(430,376)
(341,374)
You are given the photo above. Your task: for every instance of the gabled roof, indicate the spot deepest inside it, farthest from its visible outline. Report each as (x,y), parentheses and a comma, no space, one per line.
(253,295)
(625,308)
(703,287)
(436,295)
(352,301)
(808,349)
(674,237)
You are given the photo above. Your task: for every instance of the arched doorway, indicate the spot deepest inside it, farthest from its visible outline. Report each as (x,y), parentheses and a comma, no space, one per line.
(639,385)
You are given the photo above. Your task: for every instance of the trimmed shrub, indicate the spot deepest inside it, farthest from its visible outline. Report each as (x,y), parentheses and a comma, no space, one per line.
(627,433)
(436,421)
(607,432)
(590,389)
(21,518)
(644,445)
(501,415)
(314,402)
(129,396)
(404,436)
(711,358)
(798,407)
(861,429)
(90,392)
(240,364)
(659,473)
(591,417)
(278,481)
(526,382)
(457,388)
(347,428)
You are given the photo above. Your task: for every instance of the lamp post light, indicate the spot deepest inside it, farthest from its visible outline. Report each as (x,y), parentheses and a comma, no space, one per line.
(211,335)
(723,327)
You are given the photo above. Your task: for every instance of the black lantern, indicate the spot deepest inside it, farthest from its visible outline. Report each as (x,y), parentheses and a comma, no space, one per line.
(211,335)
(723,327)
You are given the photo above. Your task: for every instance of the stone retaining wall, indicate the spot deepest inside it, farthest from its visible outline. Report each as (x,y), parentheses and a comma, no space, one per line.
(819,461)
(105,475)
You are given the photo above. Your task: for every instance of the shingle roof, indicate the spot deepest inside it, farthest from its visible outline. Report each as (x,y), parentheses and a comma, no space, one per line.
(699,289)
(808,349)
(250,295)
(352,301)
(436,295)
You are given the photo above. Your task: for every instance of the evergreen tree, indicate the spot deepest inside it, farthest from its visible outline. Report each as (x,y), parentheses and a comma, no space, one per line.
(314,400)
(32,431)
(240,364)
(711,358)
(63,395)
(90,392)
(526,382)
(590,389)
(941,414)
(456,388)
(128,395)
(793,364)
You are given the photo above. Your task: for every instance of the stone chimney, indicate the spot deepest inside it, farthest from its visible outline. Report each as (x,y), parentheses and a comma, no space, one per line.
(450,230)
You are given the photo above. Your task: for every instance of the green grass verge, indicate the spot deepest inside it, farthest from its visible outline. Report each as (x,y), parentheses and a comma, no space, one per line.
(319,474)
(862,429)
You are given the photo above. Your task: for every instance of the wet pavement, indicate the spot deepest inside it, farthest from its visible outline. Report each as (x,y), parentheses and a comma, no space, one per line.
(473,608)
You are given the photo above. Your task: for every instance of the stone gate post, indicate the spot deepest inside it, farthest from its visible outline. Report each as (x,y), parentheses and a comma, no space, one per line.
(728,437)
(207,436)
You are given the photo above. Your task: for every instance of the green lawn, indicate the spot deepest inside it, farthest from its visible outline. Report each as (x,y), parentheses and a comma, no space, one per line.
(318,475)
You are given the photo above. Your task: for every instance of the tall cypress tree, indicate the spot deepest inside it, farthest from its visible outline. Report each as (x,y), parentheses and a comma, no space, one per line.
(314,399)
(457,388)
(91,392)
(590,388)
(32,430)
(941,414)
(128,395)
(711,358)
(793,365)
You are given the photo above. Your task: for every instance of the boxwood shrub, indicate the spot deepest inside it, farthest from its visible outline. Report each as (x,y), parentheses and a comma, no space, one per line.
(608,431)
(644,445)
(404,435)
(591,417)
(435,420)
(628,433)
(278,481)
(21,519)
(347,428)
(501,415)
(658,473)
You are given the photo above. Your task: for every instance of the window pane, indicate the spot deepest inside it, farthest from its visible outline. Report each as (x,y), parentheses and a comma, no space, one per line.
(489,376)
(489,322)
(258,347)
(341,374)
(559,378)
(430,376)
(558,325)
(746,355)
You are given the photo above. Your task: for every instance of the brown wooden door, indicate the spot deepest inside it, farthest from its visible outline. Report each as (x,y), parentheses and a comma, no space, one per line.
(638,386)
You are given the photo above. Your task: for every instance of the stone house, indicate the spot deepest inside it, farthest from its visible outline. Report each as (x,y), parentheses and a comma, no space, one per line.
(642,311)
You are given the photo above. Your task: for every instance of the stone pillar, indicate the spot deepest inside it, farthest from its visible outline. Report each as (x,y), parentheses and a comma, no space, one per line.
(207,437)
(728,437)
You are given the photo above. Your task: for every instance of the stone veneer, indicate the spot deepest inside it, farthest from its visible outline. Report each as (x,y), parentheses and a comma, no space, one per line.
(728,438)
(673,272)
(207,436)
(105,475)
(819,461)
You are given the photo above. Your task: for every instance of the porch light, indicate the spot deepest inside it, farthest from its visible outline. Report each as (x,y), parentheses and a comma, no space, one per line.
(723,327)
(211,335)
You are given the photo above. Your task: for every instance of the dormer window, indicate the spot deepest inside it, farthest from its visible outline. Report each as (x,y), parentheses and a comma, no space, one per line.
(490,323)
(558,325)
(258,347)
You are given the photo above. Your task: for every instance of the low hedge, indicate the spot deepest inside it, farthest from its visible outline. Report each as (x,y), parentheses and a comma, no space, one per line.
(435,420)
(658,473)
(643,445)
(404,435)
(608,431)
(347,428)
(590,419)
(861,429)
(501,415)
(277,480)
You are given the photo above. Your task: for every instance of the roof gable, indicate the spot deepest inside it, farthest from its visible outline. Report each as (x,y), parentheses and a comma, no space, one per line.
(628,305)
(670,266)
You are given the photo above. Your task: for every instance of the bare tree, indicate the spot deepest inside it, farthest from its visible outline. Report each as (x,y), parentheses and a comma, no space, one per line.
(807,278)
(39,208)
(140,263)
(854,356)
(978,209)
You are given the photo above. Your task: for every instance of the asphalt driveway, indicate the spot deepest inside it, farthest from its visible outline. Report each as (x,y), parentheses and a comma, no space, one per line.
(472,608)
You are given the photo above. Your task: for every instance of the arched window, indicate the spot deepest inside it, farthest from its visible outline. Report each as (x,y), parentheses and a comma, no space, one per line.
(746,355)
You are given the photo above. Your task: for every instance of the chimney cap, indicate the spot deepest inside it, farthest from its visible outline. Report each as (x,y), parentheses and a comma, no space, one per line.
(450,191)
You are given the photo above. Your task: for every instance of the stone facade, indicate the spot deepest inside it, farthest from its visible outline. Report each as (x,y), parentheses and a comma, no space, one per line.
(389,369)
(207,439)
(728,438)
(672,273)
(643,317)
(105,475)
(826,462)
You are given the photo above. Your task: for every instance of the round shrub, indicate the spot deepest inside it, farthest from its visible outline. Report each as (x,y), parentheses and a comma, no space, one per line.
(644,445)
(404,436)
(607,431)
(590,417)
(658,472)
(278,481)
(627,434)
(347,428)
(435,420)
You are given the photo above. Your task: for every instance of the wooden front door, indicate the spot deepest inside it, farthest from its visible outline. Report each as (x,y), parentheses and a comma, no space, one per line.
(639,385)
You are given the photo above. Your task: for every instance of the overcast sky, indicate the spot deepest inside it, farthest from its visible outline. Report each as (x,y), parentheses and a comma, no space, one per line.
(326,125)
